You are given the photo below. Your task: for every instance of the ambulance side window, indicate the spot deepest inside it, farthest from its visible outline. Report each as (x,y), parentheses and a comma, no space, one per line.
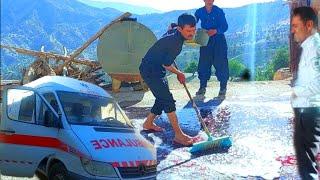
(43,107)
(21,105)
(52,101)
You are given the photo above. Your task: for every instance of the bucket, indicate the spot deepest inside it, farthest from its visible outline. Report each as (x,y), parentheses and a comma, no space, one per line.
(202,37)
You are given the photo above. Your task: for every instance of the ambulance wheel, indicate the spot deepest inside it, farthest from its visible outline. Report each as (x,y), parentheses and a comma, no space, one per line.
(58,172)
(41,176)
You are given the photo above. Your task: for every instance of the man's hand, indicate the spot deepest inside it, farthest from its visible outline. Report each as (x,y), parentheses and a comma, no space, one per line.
(181,78)
(212,32)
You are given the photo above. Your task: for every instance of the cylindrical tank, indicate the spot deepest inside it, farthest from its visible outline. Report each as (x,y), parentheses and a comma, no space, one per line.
(121,48)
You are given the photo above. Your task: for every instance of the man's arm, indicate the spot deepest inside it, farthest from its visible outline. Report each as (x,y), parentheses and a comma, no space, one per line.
(222,23)
(168,62)
(180,75)
(313,87)
(172,69)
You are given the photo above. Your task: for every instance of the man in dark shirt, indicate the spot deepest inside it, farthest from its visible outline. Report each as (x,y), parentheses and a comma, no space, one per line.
(159,58)
(215,53)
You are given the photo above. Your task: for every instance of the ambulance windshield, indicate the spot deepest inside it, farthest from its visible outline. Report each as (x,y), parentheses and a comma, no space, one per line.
(87,109)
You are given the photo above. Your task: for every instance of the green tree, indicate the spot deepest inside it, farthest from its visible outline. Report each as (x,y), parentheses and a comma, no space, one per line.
(236,68)
(264,73)
(280,59)
(191,67)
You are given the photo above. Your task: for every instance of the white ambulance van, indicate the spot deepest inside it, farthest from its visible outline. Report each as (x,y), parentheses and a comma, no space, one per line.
(69,129)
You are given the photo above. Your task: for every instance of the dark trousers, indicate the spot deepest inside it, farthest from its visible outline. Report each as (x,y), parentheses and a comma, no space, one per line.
(214,54)
(160,90)
(307,141)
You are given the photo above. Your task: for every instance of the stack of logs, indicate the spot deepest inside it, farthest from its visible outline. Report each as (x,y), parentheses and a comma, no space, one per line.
(50,64)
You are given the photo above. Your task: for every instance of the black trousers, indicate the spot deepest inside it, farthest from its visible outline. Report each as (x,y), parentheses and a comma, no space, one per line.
(307,141)
(160,90)
(214,54)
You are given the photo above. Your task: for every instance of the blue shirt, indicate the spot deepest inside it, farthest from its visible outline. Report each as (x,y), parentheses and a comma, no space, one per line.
(214,20)
(163,52)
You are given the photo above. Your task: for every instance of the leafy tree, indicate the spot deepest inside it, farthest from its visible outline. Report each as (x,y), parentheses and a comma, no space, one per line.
(264,74)
(191,67)
(278,61)
(236,68)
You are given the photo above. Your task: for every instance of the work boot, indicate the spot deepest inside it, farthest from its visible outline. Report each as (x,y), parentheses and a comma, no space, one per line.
(201,91)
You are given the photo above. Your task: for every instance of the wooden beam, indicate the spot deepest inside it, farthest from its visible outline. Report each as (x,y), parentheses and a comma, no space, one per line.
(93,38)
(48,55)
(98,34)
(71,58)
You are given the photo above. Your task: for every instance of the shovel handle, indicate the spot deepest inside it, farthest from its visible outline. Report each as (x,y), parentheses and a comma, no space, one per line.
(195,106)
(187,90)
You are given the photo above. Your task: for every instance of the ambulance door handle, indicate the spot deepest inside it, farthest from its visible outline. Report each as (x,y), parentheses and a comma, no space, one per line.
(8,132)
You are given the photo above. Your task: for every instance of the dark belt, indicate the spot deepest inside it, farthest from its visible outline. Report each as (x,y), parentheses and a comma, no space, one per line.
(307,110)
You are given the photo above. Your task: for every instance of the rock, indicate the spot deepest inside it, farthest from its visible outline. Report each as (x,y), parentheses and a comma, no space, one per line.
(282,74)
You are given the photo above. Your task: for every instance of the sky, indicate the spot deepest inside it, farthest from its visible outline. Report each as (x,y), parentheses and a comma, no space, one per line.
(168,5)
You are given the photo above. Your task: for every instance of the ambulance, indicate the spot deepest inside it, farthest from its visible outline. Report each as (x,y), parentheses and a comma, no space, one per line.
(64,128)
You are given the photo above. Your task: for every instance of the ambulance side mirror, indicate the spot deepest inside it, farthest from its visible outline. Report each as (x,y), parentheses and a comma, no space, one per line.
(50,120)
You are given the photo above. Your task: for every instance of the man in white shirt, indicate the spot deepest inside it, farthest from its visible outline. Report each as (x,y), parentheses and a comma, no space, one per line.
(306,92)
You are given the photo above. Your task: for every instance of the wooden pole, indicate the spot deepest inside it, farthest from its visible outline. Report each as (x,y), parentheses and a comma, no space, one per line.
(98,34)
(93,38)
(46,55)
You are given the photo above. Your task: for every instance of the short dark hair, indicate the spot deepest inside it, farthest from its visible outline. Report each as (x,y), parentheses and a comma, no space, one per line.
(186,19)
(306,14)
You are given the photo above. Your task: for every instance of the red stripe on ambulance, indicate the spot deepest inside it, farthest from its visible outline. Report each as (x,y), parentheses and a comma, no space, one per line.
(124,164)
(131,164)
(33,141)
(134,163)
(38,141)
(50,142)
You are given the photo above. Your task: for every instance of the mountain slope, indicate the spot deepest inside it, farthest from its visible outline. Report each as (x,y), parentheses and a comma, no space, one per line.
(121,7)
(238,18)
(57,23)
(52,23)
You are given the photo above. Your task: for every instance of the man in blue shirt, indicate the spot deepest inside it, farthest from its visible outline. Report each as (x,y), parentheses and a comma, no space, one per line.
(215,53)
(159,58)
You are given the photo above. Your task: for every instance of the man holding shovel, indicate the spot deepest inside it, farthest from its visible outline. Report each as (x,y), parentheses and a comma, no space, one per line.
(159,58)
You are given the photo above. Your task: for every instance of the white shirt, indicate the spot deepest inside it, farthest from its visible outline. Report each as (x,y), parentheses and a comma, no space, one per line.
(307,86)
